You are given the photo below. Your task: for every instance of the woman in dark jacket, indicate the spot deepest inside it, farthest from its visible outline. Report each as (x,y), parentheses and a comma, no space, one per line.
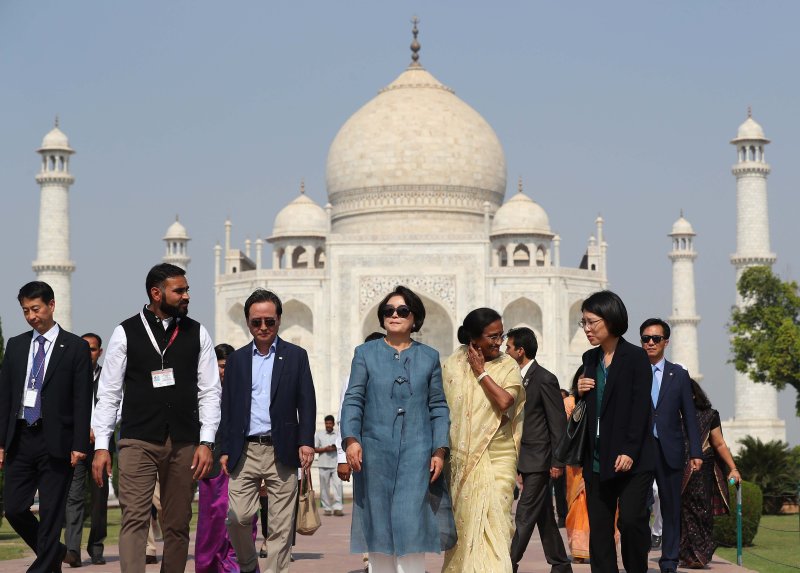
(619,461)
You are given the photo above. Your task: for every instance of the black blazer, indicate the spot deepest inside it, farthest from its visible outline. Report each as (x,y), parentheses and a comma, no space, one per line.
(675,414)
(545,421)
(625,414)
(66,393)
(292,409)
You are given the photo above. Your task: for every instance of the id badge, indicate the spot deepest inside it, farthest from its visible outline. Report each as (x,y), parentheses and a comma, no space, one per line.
(598,428)
(30,397)
(162,378)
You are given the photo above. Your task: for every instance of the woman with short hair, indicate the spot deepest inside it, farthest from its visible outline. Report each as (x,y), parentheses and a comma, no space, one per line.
(619,459)
(486,398)
(394,425)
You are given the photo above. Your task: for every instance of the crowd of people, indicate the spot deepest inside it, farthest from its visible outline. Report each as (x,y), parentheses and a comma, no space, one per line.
(437,448)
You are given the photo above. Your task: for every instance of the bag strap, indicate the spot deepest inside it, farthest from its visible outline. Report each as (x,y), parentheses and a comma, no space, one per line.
(306,478)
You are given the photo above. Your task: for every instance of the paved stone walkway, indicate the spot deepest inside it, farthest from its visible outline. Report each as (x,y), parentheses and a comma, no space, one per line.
(327,551)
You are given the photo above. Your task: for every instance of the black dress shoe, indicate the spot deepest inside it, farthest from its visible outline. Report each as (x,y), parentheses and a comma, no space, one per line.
(98,560)
(263,554)
(151,559)
(72,558)
(655,541)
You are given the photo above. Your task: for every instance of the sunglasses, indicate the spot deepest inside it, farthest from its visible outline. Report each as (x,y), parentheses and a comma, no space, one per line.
(269,322)
(402,311)
(655,338)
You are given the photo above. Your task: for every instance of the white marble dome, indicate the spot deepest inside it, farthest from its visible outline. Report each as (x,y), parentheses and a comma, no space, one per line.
(415,147)
(300,218)
(55,139)
(682,227)
(750,129)
(521,215)
(176,231)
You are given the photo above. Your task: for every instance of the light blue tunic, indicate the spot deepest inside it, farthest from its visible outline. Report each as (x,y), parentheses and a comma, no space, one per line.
(395,407)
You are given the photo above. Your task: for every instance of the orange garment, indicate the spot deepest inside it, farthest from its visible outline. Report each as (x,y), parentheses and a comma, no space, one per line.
(577,522)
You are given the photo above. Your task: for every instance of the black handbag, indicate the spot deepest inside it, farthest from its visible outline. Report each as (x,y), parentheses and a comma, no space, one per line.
(571,448)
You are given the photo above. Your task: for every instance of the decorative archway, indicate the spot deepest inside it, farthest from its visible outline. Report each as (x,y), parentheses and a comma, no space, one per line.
(297,324)
(237,334)
(524,312)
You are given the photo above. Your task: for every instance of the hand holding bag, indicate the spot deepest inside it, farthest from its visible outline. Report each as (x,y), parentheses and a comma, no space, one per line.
(571,448)
(308,520)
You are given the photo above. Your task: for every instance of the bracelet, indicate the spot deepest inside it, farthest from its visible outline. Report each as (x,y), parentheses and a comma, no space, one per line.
(482,376)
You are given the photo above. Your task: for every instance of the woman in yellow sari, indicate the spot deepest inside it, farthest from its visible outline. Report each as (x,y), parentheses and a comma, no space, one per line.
(578,515)
(486,398)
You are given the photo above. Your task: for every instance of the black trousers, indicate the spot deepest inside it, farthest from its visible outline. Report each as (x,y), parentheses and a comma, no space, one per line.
(535,507)
(560,492)
(629,491)
(76,510)
(29,468)
(669,497)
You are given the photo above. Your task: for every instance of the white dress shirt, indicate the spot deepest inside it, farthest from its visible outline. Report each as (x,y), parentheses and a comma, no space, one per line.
(49,339)
(109,391)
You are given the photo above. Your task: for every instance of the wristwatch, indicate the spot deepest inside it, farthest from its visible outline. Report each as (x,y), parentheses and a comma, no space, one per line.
(209,445)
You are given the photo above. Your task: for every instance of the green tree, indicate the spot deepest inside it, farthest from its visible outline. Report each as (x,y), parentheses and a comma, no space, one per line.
(773,466)
(766,331)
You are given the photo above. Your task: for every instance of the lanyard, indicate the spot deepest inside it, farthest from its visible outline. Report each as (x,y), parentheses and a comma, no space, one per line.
(32,379)
(153,338)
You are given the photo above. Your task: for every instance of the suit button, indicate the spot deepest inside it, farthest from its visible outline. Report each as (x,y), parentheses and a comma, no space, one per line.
(401,411)
(397,356)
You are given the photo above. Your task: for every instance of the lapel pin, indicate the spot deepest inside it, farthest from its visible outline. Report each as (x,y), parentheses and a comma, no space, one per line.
(61,346)
(280,357)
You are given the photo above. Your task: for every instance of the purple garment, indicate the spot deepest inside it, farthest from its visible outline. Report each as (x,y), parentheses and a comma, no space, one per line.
(213,552)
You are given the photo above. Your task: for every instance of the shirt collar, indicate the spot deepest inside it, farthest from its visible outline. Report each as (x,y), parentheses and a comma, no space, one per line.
(660,365)
(272,349)
(153,319)
(50,335)
(524,370)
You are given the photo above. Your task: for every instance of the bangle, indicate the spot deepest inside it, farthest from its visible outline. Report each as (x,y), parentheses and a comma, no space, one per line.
(482,376)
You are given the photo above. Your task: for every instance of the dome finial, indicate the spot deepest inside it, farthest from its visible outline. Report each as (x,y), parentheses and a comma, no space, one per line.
(56,120)
(415,46)
(302,186)
(749,111)
(681,213)
(519,185)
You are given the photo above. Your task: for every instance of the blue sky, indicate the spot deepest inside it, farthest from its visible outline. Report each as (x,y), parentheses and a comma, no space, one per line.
(211,109)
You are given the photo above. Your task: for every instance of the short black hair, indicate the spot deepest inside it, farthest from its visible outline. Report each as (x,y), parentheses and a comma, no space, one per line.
(475,322)
(159,273)
(330,418)
(36,289)
(655,322)
(701,401)
(374,336)
(95,336)
(262,295)
(223,351)
(412,301)
(525,338)
(608,306)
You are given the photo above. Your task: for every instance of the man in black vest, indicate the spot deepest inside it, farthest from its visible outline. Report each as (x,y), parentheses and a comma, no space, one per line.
(545,423)
(45,396)
(166,363)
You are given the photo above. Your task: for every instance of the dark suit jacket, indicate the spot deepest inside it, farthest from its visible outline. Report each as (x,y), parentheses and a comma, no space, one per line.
(292,409)
(66,393)
(675,414)
(545,421)
(625,414)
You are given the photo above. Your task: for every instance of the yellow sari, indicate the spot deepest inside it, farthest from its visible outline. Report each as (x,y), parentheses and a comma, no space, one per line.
(483,464)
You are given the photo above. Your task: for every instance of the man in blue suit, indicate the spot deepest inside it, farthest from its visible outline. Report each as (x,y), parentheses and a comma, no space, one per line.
(673,415)
(268,421)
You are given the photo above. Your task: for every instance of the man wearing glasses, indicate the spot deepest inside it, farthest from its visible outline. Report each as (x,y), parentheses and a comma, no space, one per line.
(673,411)
(165,362)
(268,419)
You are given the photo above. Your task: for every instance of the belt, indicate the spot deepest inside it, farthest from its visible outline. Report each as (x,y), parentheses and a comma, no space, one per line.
(260,439)
(23,424)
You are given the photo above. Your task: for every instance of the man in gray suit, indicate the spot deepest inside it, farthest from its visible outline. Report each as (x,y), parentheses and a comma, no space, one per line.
(545,423)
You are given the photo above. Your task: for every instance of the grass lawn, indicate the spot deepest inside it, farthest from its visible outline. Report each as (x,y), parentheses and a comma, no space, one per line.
(12,547)
(771,546)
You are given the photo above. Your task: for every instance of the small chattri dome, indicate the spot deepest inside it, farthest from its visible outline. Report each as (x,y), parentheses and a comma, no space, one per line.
(521,215)
(682,227)
(176,231)
(55,139)
(750,130)
(300,218)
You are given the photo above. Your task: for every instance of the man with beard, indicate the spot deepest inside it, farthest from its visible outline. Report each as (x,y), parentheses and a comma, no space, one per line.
(166,363)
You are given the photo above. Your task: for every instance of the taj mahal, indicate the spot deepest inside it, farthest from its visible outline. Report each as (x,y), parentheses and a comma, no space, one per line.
(416,184)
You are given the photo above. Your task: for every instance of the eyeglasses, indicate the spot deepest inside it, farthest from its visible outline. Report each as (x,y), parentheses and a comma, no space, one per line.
(402,311)
(497,337)
(655,338)
(268,322)
(583,323)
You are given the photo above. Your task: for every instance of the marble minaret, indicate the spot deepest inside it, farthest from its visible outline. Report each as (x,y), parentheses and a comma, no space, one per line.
(177,242)
(53,264)
(756,411)
(684,319)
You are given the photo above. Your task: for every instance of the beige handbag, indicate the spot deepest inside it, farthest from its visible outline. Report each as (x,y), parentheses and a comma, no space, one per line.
(308,520)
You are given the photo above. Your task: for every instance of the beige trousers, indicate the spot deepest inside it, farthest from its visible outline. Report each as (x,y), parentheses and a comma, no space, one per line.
(258,462)
(140,463)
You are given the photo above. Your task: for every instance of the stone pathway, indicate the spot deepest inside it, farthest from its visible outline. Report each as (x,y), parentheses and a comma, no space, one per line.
(328,551)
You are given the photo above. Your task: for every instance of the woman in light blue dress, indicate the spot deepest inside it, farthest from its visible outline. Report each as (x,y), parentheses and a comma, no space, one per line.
(395,427)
